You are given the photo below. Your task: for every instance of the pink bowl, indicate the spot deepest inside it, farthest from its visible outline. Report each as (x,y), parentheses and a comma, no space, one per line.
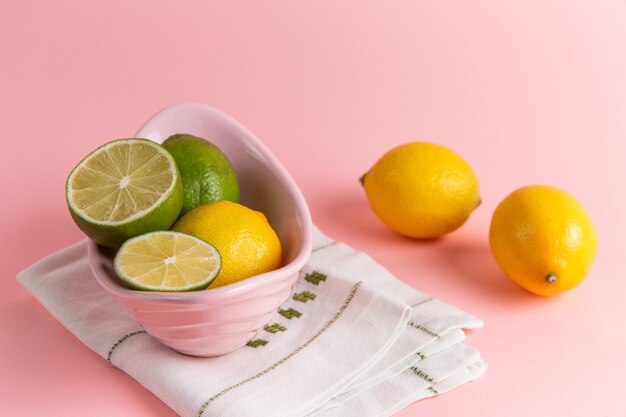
(217,321)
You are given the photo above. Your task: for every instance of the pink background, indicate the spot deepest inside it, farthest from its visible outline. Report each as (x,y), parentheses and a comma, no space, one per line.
(527,92)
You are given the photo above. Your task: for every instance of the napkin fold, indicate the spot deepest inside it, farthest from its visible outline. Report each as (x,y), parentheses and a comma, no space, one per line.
(361,344)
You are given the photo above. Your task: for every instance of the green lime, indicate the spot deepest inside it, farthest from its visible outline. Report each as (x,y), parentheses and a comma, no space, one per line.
(167,261)
(206,172)
(124,188)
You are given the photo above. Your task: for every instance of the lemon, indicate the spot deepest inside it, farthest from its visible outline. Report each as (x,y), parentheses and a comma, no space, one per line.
(422,190)
(543,239)
(206,172)
(167,261)
(248,244)
(124,188)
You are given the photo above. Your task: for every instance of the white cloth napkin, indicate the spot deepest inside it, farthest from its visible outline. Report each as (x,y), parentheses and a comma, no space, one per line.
(364,344)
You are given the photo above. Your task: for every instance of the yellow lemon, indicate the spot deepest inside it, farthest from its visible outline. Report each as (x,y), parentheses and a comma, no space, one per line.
(244,238)
(543,239)
(422,190)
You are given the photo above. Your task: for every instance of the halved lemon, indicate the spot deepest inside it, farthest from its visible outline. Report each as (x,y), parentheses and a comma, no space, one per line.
(125,188)
(167,261)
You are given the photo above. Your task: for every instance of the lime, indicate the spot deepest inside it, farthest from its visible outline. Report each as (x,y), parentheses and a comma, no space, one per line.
(248,244)
(167,261)
(422,190)
(206,173)
(543,239)
(125,188)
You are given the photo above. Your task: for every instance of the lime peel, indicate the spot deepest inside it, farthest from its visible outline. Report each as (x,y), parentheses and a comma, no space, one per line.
(206,172)
(167,261)
(124,188)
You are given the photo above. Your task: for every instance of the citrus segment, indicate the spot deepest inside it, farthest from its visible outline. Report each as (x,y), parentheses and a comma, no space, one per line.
(167,261)
(124,188)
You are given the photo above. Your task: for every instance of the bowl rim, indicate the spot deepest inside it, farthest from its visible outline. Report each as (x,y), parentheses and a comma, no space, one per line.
(237,288)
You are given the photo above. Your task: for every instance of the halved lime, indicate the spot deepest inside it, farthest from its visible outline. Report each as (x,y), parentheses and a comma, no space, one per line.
(167,261)
(125,188)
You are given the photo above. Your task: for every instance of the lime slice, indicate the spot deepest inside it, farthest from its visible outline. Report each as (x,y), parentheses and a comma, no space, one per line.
(167,261)
(125,188)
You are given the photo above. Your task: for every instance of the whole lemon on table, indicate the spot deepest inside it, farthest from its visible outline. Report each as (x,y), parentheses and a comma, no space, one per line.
(244,238)
(422,190)
(543,239)
(206,172)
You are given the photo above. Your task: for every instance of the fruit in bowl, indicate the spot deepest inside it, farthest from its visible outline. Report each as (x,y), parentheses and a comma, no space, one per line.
(207,174)
(245,240)
(123,189)
(167,261)
(219,320)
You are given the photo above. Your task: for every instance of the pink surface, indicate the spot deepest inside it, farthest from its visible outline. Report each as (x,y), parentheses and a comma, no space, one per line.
(528,92)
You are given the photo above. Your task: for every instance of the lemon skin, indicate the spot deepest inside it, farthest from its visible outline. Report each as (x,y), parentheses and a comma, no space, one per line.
(543,239)
(244,238)
(422,190)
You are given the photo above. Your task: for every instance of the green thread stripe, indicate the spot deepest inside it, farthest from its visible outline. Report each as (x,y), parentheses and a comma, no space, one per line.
(329,323)
(289,313)
(431,388)
(256,343)
(328,245)
(421,355)
(315,277)
(417,371)
(424,329)
(119,342)
(419,303)
(274,328)
(304,296)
